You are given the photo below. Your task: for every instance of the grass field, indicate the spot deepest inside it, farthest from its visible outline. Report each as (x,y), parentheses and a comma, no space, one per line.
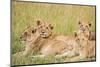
(64,18)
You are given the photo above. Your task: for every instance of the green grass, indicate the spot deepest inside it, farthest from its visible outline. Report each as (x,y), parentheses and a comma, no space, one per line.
(64,18)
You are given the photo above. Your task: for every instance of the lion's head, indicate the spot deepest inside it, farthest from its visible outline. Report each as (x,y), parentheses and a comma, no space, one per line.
(44,29)
(84,28)
(27,34)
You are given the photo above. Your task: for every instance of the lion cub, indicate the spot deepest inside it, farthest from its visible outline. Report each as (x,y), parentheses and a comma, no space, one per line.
(87,47)
(85,28)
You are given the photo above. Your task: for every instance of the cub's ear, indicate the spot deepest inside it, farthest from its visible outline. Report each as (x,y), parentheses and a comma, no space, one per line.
(51,27)
(39,22)
(89,24)
(79,22)
(75,34)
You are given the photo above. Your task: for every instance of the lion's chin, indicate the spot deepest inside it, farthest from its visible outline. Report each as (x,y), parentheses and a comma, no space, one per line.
(45,36)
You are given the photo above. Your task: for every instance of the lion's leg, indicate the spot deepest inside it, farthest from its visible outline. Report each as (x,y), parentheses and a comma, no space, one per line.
(28,50)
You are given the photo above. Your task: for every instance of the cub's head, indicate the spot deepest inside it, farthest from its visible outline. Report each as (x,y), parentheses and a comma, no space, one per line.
(84,28)
(27,34)
(81,39)
(44,29)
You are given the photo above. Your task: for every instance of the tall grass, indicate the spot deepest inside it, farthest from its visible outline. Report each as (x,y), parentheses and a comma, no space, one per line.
(64,18)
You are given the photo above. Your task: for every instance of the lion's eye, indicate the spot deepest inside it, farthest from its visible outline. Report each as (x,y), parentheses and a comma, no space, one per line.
(40,26)
(81,25)
(77,39)
(87,26)
(46,27)
(34,30)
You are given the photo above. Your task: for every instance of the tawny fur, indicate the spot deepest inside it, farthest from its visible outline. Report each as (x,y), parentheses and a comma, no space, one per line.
(85,27)
(87,47)
(47,43)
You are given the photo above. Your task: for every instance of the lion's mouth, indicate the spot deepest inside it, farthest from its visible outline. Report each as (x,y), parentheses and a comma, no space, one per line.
(22,39)
(44,35)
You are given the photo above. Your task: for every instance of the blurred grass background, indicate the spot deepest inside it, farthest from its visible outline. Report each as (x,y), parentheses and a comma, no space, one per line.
(64,18)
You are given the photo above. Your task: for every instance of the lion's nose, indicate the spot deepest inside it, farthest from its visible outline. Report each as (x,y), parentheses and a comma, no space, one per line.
(83,30)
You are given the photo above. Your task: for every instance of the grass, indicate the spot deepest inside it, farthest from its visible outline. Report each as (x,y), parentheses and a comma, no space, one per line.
(64,18)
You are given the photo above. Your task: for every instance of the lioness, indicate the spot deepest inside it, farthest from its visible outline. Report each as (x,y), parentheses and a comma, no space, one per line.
(47,43)
(85,28)
(87,47)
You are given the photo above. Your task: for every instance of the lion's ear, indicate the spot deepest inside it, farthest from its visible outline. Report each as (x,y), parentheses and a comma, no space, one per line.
(75,34)
(51,26)
(39,22)
(89,24)
(79,22)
